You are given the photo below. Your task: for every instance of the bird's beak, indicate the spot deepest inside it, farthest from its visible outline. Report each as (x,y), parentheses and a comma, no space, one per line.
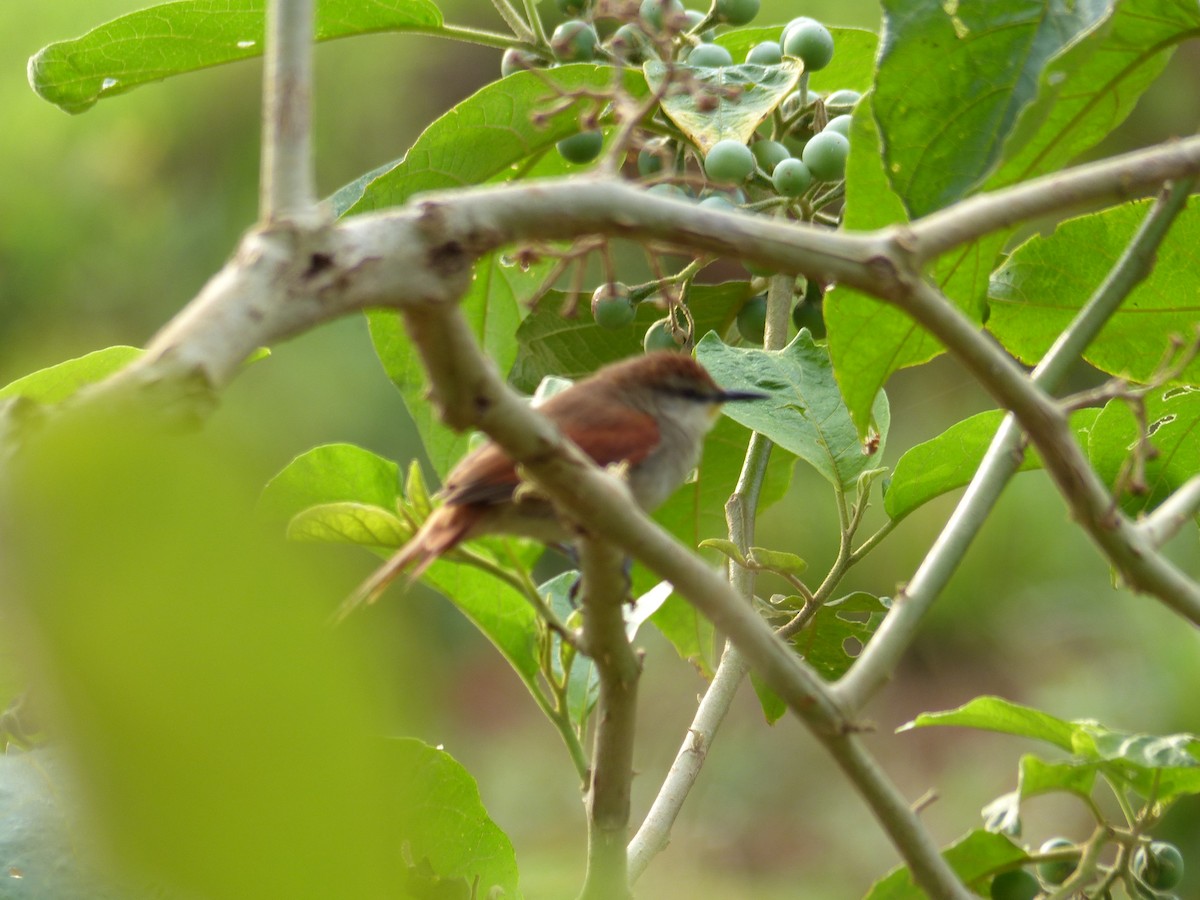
(730,396)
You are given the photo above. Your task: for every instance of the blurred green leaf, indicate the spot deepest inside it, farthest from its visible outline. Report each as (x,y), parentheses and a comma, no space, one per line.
(220,729)
(972,858)
(998,714)
(1046,281)
(723,103)
(773,706)
(689,632)
(970,68)
(778,561)
(442,821)
(58,382)
(549,344)
(174,38)
(951,459)
(1036,777)
(1172,417)
(839,631)
(804,413)
(1160,766)
(349,523)
(583,680)
(725,546)
(332,473)
(852,66)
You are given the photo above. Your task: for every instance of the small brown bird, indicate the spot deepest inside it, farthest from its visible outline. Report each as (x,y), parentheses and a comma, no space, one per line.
(650,412)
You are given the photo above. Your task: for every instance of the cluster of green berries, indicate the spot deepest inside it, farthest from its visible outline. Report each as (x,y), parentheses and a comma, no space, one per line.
(1157,867)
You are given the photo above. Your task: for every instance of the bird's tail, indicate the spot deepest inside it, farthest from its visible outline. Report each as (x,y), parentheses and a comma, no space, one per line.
(442,532)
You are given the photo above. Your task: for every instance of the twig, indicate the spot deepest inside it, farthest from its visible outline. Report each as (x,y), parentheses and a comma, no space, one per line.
(287,185)
(1001,461)
(1172,514)
(618,667)
(514,21)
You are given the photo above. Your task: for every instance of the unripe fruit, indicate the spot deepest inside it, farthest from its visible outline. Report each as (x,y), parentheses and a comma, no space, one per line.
(581,148)
(652,158)
(825,155)
(611,306)
(809,40)
(659,337)
(840,124)
(574,41)
(768,53)
(769,154)
(844,97)
(791,177)
(673,191)
(710,55)
(1056,871)
(736,12)
(1015,885)
(515,60)
(692,18)
(661,15)
(810,316)
(629,43)
(729,161)
(752,319)
(1160,865)
(716,201)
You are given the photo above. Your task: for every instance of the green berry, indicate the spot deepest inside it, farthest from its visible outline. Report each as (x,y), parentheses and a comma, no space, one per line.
(825,155)
(840,124)
(1015,885)
(659,337)
(515,60)
(1056,871)
(809,40)
(673,191)
(716,201)
(574,7)
(694,17)
(752,319)
(736,12)
(768,53)
(729,161)
(581,148)
(791,177)
(1159,866)
(574,41)
(711,55)
(662,15)
(810,316)
(653,157)
(769,154)
(844,97)
(611,306)
(629,43)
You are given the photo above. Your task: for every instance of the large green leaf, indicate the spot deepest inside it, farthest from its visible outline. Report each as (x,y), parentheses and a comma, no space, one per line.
(973,858)
(724,103)
(1036,776)
(332,473)
(952,80)
(445,829)
(804,412)
(58,382)
(951,459)
(174,38)
(1046,281)
(998,714)
(1173,422)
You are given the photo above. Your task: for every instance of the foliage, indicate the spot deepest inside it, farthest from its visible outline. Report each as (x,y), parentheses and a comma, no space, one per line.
(237,749)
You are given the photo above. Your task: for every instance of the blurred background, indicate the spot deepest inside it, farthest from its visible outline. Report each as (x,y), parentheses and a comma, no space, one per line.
(110,221)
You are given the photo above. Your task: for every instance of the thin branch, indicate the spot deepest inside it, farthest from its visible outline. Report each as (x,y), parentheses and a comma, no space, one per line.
(1172,514)
(513,20)
(287,183)
(881,655)
(619,668)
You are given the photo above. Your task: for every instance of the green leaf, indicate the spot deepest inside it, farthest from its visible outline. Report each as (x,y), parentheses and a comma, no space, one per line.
(549,344)
(725,546)
(441,821)
(773,706)
(725,103)
(689,632)
(332,473)
(1162,766)
(483,136)
(583,680)
(1036,777)
(174,38)
(58,382)
(972,858)
(997,714)
(971,68)
(1088,89)
(839,631)
(852,66)
(778,561)
(804,412)
(350,523)
(1173,421)
(1046,281)
(951,459)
